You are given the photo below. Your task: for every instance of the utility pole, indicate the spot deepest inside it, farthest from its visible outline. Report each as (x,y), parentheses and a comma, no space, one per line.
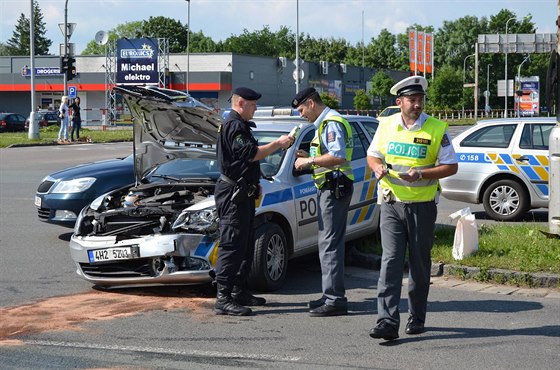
(33,132)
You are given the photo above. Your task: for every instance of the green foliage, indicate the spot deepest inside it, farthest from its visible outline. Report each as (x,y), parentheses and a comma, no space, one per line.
(129,30)
(18,44)
(381,84)
(262,42)
(362,100)
(445,91)
(164,27)
(49,135)
(330,101)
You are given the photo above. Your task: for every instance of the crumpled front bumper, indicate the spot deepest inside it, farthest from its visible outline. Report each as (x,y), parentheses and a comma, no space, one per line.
(154,262)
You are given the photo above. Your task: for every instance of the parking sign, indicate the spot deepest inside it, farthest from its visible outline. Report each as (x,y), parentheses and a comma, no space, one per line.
(72,92)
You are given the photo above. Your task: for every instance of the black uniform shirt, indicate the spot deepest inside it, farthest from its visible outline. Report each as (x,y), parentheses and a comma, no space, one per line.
(236,147)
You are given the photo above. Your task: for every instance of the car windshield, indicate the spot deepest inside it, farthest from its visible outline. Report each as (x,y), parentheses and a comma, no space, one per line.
(271,164)
(186,169)
(389,111)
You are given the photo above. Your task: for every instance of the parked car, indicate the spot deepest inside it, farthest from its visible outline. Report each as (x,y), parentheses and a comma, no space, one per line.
(61,195)
(503,164)
(45,119)
(389,111)
(164,229)
(12,122)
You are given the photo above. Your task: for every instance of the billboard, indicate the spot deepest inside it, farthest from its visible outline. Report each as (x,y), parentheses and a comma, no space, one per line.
(527,96)
(137,62)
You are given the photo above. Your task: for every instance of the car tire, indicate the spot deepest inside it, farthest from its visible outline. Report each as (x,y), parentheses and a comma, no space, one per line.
(505,200)
(270,263)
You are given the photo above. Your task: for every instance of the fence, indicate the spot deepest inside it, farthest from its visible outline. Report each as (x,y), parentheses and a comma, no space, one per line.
(449,115)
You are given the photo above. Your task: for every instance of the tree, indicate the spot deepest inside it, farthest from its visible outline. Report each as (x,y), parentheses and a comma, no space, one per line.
(129,30)
(171,29)
(329,100)
(262,42)
(3,49)
(445,92)
(382,52)
(456,39)
(18,44)
(381,84)
(362,100)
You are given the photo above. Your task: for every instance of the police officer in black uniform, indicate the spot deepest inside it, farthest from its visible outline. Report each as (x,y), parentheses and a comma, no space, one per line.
(236,190)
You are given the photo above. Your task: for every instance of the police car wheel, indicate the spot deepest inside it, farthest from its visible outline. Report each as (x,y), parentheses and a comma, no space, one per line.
(270,263)
(505,200)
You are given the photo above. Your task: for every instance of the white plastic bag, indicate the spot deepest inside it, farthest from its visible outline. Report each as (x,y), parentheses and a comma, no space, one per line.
(465,242)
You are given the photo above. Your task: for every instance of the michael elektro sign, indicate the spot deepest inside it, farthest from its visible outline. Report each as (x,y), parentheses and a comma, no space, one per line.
(137,61)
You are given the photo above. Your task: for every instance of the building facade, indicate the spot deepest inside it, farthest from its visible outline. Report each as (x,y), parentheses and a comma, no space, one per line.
(211,79)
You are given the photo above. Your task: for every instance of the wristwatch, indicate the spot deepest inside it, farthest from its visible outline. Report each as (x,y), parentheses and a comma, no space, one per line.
(312,162)
(419,172)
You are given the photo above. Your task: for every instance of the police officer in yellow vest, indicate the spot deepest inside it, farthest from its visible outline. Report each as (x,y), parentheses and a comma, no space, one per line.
(409,153)
(329,159)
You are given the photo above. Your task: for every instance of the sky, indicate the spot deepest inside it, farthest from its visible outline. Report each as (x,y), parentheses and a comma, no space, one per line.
(220,19)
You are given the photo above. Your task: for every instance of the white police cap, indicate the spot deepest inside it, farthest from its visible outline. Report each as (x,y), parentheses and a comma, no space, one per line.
(410,86)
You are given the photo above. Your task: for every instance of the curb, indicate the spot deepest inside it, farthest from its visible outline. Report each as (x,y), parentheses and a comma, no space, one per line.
(534,280)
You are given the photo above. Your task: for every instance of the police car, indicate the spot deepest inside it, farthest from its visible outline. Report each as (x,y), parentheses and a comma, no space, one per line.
(503,164)
(164,228)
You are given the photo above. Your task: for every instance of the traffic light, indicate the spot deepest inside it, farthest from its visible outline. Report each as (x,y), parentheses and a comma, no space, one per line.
(70,69)
(63,64)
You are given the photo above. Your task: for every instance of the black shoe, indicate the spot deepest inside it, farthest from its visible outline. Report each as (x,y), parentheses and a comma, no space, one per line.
(384,330)
(226,305)
(244,298)
(328,310)
(414,326)
(317,303)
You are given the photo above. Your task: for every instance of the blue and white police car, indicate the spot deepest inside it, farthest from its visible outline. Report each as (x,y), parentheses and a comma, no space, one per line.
(503,164)
(164,230)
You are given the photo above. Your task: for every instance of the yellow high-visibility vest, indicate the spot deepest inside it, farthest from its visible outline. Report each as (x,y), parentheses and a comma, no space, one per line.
(404,149)
(319,173)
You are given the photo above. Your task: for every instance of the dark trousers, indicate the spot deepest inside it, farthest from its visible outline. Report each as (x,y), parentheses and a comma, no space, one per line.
(237,237)
(332,218)
(76,125)
(405,226)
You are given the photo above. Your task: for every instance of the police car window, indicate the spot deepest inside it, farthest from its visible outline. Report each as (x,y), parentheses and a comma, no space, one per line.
(358,138)
(535,136)
(271,164)
(370,126)
(306,141)
(498,136)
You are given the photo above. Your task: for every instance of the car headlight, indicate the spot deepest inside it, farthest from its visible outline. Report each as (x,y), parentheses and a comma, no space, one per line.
(74,185)
(205,220)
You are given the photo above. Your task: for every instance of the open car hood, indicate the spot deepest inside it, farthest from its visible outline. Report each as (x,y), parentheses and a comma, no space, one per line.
(168,124)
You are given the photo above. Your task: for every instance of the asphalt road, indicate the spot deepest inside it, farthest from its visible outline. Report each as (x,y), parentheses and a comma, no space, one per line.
(50,319)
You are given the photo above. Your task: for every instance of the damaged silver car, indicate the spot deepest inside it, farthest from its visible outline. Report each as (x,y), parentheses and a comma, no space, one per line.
(164,228)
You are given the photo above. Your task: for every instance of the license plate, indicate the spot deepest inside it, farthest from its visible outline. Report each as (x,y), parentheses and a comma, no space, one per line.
(37,201)
(109,254)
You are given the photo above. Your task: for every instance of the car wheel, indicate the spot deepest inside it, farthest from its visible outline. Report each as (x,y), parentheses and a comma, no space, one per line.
(505,200)
(271,258)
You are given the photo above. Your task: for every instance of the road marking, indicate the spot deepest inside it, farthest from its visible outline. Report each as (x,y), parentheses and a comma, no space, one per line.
(159,350)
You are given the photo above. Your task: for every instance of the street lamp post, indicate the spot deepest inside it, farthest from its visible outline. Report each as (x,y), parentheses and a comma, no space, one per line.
(505,66)
(464,67)
(188,42)
(527,59)
(65,78)
(487,92)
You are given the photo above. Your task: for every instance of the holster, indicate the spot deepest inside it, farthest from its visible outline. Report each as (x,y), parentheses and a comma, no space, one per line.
(339,185)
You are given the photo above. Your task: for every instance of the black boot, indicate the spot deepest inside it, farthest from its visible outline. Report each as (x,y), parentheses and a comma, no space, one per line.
(225,305)
(243,297)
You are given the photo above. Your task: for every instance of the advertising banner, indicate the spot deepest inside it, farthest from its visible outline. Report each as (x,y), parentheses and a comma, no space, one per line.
(527,96)
(421,53)
(137,61)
